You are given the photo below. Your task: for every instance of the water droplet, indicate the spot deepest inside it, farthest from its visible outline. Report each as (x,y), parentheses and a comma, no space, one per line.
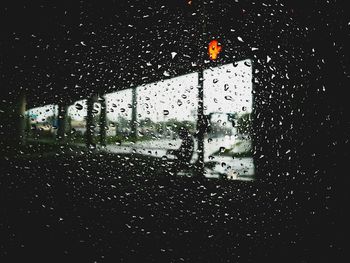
(247,63)
(78,106)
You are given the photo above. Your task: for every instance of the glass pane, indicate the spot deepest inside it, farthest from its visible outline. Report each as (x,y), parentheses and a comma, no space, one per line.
(163,108)
(228,105)
(119,111)
(77,114)
(42,123)
(77,119)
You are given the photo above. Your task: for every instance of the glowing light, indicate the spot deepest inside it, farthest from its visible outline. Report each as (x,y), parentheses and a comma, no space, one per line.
(214,49)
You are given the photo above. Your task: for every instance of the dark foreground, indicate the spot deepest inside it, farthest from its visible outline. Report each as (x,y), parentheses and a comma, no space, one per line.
(95,208)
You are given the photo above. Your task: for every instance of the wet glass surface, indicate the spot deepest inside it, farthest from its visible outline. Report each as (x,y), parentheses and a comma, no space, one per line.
(174,131)
(41,123)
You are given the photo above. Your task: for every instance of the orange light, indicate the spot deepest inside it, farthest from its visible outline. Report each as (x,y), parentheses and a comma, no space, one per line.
(214,49)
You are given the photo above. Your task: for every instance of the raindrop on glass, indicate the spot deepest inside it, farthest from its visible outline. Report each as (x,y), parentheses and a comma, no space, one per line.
(78,106)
